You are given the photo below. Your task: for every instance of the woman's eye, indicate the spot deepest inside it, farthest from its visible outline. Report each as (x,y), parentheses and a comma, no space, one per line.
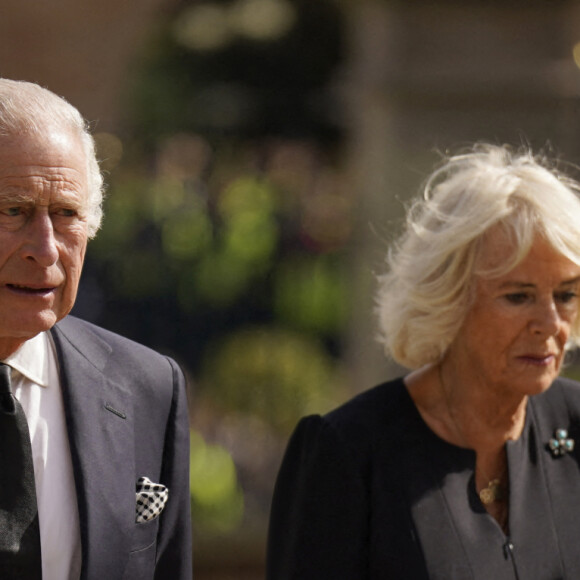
(517,297)
(566,297)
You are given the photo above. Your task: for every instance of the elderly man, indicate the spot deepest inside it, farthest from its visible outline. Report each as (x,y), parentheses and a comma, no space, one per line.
(94,456)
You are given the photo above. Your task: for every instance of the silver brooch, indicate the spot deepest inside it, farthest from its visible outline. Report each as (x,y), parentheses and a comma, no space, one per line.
(560,444)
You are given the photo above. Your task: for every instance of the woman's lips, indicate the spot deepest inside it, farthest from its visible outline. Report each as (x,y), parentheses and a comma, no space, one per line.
(538,359)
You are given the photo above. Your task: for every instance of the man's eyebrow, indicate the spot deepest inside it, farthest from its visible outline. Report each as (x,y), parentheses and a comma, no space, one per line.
(14,195)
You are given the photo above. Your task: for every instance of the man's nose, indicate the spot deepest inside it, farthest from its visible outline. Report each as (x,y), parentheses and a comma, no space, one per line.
(40,244)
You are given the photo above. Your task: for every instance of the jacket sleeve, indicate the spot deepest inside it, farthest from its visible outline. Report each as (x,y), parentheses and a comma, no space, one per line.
(319,517)
(174,545)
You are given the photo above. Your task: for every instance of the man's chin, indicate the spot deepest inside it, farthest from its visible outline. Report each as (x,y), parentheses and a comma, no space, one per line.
(30,325)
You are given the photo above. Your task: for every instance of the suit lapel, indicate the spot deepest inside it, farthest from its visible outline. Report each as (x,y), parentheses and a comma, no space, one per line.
(100,430)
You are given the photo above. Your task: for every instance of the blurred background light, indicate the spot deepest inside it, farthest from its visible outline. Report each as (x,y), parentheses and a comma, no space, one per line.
(184,156)
(217,499)
(203,27)
(186,234)
(262,20)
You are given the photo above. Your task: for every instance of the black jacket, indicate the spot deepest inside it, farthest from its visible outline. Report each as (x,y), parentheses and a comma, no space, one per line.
(370,492)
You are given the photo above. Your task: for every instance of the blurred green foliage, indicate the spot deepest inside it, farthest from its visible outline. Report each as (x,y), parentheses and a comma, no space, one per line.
(227,226)
(275,374)
(217,500)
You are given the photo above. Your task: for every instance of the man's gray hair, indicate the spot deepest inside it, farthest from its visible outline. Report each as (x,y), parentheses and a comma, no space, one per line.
(26,107)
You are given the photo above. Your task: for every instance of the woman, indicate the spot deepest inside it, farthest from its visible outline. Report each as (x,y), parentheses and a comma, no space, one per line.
(466,467)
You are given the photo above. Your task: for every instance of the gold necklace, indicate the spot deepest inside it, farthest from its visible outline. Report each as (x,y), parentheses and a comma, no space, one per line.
(495,489)
(493,492)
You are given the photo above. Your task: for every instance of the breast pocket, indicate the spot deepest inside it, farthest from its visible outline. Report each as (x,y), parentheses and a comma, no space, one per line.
(141,563)
(144,535)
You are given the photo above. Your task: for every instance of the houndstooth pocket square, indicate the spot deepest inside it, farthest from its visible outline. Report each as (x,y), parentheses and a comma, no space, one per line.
(151,499)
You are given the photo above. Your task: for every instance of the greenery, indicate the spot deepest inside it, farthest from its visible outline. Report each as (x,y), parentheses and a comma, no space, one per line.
(227,224)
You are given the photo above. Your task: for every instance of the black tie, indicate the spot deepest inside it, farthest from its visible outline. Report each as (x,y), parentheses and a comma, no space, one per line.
(19,531)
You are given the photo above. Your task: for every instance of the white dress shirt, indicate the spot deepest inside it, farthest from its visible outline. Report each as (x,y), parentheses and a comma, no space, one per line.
(36,384)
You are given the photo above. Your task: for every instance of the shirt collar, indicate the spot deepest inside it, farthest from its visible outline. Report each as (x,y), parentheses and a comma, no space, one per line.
(32,359)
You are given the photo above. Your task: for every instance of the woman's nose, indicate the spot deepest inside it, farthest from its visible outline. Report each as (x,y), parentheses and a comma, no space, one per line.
(546,318)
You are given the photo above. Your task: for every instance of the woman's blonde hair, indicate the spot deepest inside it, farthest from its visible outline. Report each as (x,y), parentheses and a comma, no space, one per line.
(423,298)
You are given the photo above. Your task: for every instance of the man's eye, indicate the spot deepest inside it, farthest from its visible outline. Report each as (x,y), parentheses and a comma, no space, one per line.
(67,212)
(12,211)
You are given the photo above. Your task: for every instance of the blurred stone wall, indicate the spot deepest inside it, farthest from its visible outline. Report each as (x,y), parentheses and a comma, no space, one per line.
(80,49)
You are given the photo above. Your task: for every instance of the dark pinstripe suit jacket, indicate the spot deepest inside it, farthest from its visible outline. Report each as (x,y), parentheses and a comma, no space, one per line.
(126,414)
